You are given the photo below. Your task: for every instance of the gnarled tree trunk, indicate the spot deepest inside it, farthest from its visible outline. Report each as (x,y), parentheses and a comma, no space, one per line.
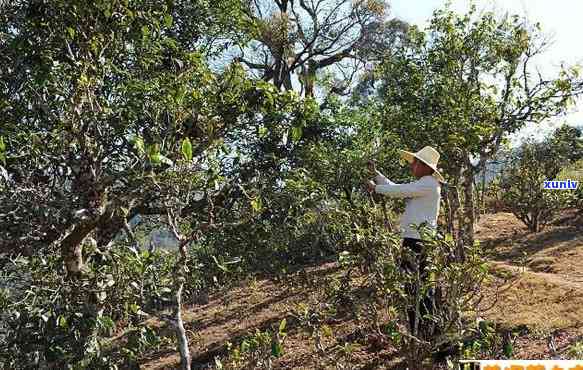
(72,248)
(468,216)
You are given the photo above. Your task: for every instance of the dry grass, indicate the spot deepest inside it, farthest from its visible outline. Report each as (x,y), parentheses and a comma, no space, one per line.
(538,301)
(540,280)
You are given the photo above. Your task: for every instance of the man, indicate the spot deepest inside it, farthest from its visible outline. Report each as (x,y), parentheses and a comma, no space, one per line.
(422,208)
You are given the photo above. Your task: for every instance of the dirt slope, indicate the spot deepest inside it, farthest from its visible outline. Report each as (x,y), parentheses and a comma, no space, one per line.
(261,305)
(544,293)
(537,286)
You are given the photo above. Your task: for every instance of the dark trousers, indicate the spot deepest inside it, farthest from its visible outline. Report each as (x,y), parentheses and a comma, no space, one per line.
(413,258)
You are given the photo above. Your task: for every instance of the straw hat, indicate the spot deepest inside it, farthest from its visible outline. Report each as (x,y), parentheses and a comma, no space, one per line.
(427,155)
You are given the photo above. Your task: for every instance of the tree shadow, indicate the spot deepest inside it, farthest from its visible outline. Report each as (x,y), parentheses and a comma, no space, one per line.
(237,313)
(312,264)
(530,243)
(309,281)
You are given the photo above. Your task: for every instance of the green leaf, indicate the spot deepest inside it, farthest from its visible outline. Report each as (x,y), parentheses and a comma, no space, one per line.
(282,325)
(62,321)
(154,153)
(168,20)
(276,349)
(327,331)
(296,133)
(139,145)
(2,150)
(134,308)
(256,204)
(262,131)
(187,149)
(107,322)
(508,349)
(145,31)
(155,158)
(71,32)
(244,346)
(180,91)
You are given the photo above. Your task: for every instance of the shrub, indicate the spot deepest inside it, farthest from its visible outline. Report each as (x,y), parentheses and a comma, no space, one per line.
(575,351)
(51,320)
(574,172)
(256,351)
(522,186)
(453,286)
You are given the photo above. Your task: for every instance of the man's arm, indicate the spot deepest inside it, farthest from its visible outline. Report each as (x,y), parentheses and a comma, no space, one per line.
(409,190)
(380,179)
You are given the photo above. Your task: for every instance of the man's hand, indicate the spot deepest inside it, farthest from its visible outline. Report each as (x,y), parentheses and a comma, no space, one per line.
(370,186)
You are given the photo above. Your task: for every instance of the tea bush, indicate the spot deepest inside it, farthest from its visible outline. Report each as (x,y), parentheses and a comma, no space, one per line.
(51,320)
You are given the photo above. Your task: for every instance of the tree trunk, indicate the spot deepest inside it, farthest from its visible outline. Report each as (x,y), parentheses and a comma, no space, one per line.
(72,248)
(483,198)
(477,197)
(108,228)
(447,211)
(309,79)
(185,360)
(455,202)
(451,200)
(535,223)
(179,271)
(417,356)
(468,219)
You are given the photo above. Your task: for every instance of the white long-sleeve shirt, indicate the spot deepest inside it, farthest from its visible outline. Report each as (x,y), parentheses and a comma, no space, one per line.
(422,199)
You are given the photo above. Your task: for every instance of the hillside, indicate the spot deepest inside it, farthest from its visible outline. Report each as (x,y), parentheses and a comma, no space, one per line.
(543,299)
(537,285)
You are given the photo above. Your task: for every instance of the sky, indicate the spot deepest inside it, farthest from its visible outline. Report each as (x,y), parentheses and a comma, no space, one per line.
(560,19)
